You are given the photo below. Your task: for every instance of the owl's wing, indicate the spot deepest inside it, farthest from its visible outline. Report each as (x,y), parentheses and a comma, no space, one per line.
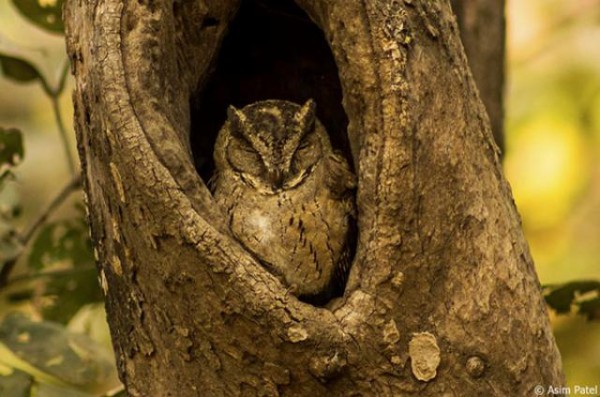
(342,268)
(337,284)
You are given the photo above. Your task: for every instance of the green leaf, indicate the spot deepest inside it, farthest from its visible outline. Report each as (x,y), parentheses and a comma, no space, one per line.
(41,253)
(46,14)
(121,393)
(10,246)
(90,319)
(6,175)
(56,356)
(65,245)
(18,69)
(563,297)
(11,148)
(47,390)
(11,154)
(65,240)
(590,308)
(20,296)
(14,383)
(64,292)
(69,291)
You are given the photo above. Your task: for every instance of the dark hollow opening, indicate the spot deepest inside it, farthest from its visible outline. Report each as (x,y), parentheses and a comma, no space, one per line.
(272,51)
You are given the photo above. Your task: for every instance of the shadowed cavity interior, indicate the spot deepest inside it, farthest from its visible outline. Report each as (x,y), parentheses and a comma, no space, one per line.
(272,51)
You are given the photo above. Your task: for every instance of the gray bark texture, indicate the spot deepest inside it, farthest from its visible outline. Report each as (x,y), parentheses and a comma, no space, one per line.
(443,299)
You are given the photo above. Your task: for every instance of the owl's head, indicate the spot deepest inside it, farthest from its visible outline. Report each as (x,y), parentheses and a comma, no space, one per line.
(274,143)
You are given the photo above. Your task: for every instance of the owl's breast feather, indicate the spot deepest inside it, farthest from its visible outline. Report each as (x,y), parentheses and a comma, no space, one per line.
(262,224)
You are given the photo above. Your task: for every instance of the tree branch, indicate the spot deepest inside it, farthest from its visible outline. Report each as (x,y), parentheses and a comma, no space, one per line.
(25,237)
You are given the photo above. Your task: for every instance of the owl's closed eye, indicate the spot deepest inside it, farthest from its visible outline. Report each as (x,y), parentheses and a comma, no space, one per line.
(244,158)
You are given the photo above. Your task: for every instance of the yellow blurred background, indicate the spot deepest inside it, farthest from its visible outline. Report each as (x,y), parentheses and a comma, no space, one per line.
(553,154)
(552,137)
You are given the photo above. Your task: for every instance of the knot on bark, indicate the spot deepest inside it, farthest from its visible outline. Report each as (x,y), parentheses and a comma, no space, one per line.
(424,355)
(475,366)
(327,367)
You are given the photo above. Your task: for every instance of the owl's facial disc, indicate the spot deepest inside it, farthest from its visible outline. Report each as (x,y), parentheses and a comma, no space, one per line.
(274,146)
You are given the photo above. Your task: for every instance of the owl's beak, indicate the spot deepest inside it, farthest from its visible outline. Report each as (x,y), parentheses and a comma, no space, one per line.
(276,177)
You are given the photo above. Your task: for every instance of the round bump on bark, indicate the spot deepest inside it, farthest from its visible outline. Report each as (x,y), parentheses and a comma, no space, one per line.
(475,366)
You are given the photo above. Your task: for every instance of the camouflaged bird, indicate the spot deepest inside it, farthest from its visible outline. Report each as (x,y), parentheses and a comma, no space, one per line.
(287,195)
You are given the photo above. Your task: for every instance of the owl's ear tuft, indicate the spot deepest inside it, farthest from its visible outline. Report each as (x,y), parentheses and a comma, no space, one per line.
(236,118)
(306,116)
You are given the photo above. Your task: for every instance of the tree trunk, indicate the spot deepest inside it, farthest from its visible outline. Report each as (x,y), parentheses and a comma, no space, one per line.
(442,299)
(482,30)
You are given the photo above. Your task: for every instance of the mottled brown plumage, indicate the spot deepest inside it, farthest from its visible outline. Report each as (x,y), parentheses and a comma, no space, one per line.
(287,195)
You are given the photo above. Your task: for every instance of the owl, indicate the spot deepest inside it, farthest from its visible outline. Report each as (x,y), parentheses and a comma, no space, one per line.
(288,197)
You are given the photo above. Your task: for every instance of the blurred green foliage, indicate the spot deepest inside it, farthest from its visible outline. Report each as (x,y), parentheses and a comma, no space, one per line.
(53,339)
(45,14)
(55,359)
(581,297)
(553,163)
(11,151)
(18,69)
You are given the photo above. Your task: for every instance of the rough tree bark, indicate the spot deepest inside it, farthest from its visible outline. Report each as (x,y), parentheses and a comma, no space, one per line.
(482,30)
(443,298)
